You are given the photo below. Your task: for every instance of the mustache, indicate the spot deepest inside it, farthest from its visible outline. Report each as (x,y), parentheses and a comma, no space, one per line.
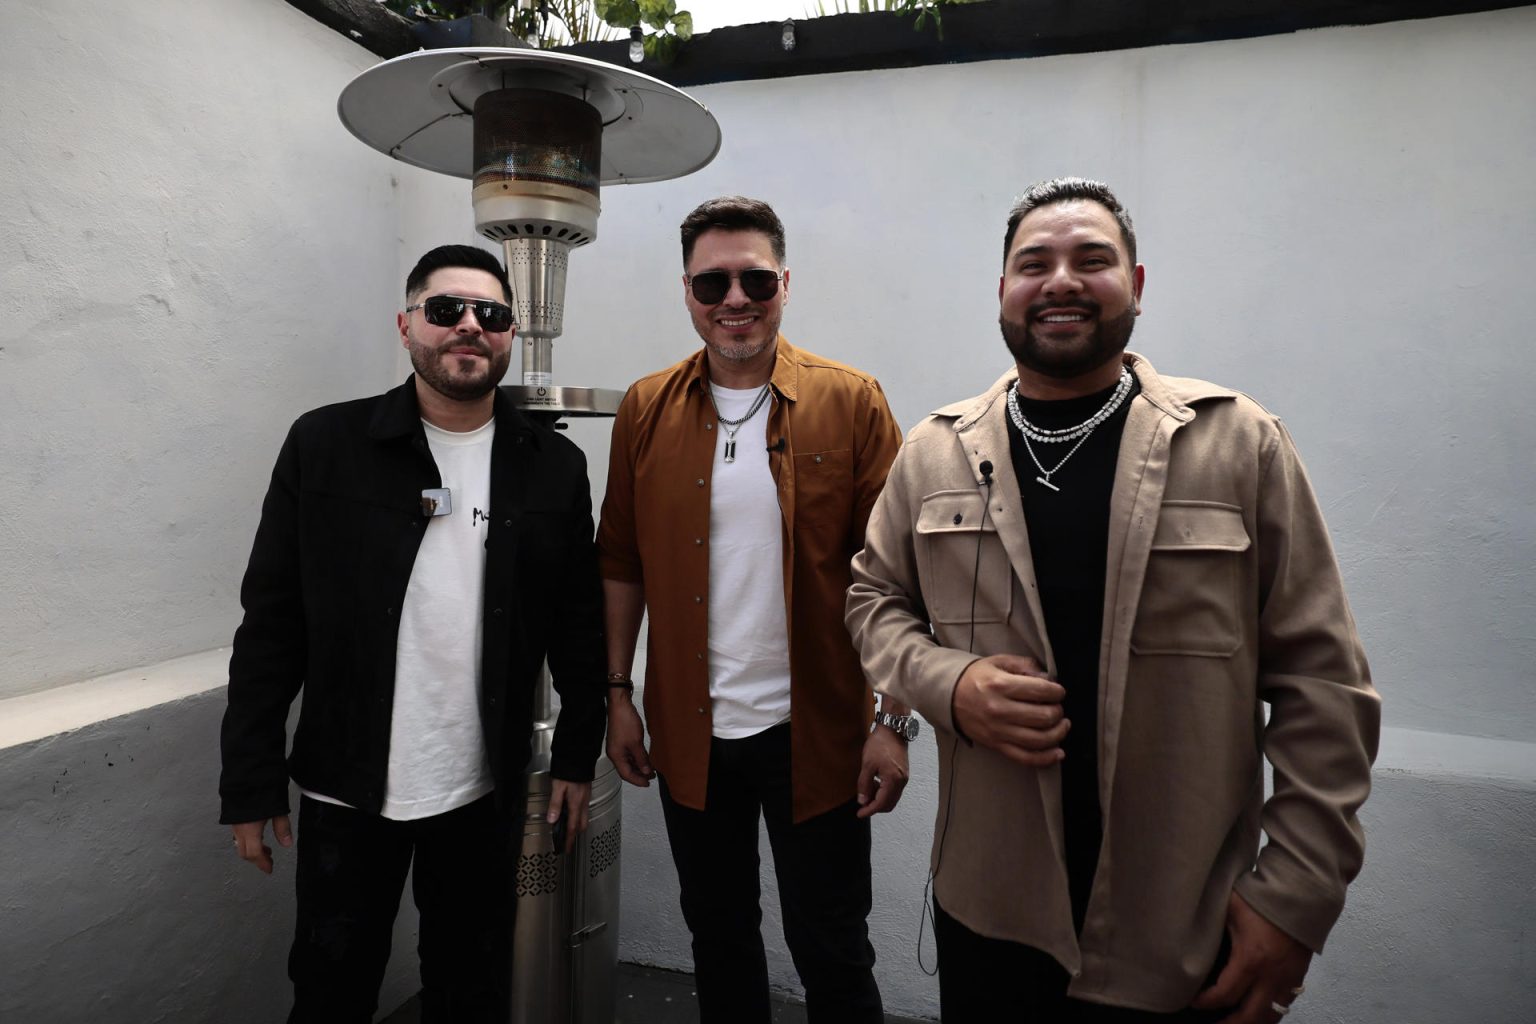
(479,348)
(1088,306)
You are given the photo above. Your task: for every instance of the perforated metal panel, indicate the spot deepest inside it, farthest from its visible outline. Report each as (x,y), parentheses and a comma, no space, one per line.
(605,850)
(538,874)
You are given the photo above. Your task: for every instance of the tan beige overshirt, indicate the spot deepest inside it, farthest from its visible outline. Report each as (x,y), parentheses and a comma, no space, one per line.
(838,439)
(1222,596)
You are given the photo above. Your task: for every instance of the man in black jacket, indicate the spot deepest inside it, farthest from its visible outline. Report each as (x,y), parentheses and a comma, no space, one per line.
(419,555)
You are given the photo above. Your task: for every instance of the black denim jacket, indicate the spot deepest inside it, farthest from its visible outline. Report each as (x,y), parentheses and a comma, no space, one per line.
(340,527)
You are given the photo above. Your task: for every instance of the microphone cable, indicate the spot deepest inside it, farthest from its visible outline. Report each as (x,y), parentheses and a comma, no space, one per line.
(949,796)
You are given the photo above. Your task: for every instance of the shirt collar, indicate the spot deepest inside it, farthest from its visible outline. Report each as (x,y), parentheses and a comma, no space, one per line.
(399,414)
(786,370)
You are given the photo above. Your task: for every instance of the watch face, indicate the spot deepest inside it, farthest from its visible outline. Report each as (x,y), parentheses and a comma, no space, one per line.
(911,730)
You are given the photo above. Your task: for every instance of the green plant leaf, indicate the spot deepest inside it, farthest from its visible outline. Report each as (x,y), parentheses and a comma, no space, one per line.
(682,24)
(656,13)
(660,48)
(618,13)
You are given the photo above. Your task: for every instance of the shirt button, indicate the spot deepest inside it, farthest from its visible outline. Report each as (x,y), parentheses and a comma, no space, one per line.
(701,711)
(496,611)
(700,481)
(709,426)
(698,541)
(818,460)
(700,656)
(507,522)
(958,518)
(697,599)
(388,612)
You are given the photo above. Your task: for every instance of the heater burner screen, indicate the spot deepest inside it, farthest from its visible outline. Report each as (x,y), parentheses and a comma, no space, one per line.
(536,135)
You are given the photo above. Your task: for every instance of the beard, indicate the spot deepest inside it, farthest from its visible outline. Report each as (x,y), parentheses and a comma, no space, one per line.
(1065,360)
(435,367)
(745,349)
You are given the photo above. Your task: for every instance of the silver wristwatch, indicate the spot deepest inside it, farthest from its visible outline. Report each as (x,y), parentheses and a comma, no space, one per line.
(904,726)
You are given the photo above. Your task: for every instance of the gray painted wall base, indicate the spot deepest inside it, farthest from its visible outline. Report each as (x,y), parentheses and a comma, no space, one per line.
(121,898)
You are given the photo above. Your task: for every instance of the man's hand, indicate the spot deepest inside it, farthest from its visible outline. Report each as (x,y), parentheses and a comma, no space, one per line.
(1266,967)
(1006,703)
(626,742)
(250,844)
(885,763)
(571,798)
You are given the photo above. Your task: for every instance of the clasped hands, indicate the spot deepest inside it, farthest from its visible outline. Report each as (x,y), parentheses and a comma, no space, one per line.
(1005,702)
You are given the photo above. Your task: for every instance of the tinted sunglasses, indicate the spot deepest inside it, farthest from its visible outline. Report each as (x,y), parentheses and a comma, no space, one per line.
(712,286)
(448,310)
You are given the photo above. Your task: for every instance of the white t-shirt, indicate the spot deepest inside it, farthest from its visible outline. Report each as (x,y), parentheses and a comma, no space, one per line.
(748,634)
(437,757)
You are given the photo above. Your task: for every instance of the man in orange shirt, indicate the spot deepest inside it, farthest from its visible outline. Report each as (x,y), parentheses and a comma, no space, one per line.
(739,484)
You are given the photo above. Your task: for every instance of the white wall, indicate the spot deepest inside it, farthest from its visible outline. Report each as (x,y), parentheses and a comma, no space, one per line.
(1339,222)
(196,253)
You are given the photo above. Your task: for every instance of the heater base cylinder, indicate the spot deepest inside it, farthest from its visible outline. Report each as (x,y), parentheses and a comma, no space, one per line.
(566,943)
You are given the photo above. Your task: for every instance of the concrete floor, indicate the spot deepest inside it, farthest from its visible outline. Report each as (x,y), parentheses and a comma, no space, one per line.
(649,995)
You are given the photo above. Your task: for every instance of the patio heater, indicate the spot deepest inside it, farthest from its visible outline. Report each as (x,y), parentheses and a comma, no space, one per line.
(538,134)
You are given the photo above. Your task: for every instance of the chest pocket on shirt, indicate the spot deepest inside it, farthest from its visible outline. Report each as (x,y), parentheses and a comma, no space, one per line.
(824,489)
(951,525)
(1190,603)
(363,536)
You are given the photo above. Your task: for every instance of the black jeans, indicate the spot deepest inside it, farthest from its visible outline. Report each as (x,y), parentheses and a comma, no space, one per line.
(822,866)
(993,980)
(351,871)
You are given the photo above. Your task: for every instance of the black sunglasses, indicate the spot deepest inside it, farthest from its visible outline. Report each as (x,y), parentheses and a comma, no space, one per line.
(448,310)
(712,286)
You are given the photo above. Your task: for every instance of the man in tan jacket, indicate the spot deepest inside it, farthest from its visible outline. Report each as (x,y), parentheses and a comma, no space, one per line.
(1092,579)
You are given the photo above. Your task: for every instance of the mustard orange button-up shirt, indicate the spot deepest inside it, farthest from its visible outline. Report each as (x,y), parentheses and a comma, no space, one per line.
(838,442)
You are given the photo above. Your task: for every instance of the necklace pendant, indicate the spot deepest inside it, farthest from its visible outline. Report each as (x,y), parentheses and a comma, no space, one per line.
(1043,480)
(730,450)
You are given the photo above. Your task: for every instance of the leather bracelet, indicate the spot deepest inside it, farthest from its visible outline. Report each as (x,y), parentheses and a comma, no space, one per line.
(621,681)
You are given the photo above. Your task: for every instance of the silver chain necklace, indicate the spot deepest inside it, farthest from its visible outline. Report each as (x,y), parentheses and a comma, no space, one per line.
(1079,433)
(731,426)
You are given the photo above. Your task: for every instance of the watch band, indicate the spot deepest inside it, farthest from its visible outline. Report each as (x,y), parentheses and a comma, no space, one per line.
(905,726)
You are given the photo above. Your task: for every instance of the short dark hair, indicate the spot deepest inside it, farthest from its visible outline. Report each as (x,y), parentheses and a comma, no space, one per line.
(733,213)
(1061,190)
(471,256)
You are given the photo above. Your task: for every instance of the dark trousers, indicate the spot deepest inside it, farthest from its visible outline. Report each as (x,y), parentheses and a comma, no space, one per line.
(989,980)
(351,872)
(822,866)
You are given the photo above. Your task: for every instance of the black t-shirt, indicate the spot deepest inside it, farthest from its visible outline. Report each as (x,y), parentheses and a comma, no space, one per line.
(1068,541)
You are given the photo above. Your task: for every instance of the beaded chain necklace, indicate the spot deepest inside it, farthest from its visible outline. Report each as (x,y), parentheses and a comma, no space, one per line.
(1079,433)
